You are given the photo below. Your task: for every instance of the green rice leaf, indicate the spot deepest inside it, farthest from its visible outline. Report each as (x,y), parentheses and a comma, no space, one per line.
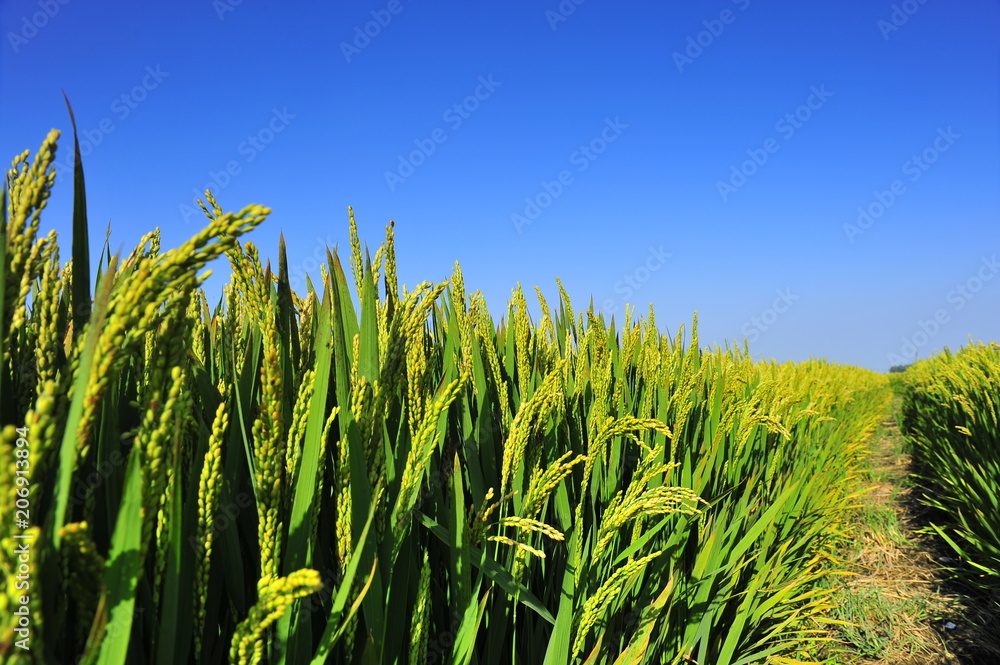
(123,569)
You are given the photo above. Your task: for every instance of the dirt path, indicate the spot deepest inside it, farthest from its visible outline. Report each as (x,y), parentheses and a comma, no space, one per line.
(905,609)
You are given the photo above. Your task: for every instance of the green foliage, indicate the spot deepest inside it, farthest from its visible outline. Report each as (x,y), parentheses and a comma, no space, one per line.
(951,417)
(289,479)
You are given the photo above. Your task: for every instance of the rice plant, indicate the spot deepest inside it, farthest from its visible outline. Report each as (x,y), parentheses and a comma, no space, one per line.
(291,478)
(951,417)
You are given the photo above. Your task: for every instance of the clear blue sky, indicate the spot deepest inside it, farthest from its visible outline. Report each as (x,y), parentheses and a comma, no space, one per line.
(708,156)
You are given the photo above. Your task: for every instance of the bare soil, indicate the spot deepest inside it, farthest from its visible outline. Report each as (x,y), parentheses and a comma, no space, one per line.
(926,618)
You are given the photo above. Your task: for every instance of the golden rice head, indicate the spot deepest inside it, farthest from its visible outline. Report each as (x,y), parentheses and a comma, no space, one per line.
(594,607)
(275,596)
(421,621)
(209,488)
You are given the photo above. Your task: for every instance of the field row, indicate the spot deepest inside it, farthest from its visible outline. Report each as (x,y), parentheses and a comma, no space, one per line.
(951,418)
(362,474)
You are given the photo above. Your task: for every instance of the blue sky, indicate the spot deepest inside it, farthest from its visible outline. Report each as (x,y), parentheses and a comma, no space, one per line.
(821,178)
